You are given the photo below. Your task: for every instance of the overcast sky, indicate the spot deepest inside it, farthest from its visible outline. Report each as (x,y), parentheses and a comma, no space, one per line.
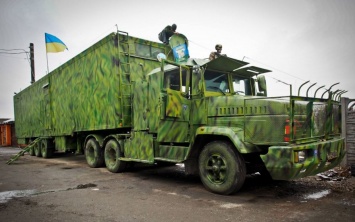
(299,40)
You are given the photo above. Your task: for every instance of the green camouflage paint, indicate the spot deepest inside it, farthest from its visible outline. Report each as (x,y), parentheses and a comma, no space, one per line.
(320,156)
(90,92)
(168,111)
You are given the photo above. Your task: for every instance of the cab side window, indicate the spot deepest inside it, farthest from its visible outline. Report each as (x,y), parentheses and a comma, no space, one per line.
(172,80)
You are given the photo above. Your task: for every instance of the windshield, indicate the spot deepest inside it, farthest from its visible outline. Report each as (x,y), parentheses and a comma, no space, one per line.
(239,85)
(216,82)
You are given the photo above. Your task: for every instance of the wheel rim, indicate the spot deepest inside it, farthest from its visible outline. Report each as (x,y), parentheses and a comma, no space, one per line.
(216,169)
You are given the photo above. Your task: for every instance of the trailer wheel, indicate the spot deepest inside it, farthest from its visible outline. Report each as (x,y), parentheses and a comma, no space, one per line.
(32,151)
(222,169)
(112,154)
(46,151)
(37,150)
(94,154)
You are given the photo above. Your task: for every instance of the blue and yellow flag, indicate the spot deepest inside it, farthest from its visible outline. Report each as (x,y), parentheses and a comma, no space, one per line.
(53,44)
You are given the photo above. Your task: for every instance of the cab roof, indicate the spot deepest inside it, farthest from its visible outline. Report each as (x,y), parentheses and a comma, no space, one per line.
(222,64)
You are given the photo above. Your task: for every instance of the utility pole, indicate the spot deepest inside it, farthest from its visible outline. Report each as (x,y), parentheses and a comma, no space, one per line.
(32,58)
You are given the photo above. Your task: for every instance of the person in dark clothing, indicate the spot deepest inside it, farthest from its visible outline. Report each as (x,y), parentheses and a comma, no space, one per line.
(166,33)
(215,55)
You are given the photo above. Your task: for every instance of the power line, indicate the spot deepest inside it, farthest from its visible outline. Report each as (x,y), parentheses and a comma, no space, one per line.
(13,52)
(275,69)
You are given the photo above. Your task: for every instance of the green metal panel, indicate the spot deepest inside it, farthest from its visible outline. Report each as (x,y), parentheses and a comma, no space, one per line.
(321,156)
(84,92)
(176,153)
(139,147)
(174,125)
(29,107)
(64,143)
(154,102)
(140,95)
(226,64)
(92,91)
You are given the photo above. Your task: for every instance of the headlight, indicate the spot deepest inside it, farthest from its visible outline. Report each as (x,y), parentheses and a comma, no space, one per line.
(299,156)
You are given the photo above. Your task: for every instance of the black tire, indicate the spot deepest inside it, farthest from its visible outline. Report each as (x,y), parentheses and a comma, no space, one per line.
(222,169)
(94,154)
(37,149)
(112,154)
(46,150)
(32,151)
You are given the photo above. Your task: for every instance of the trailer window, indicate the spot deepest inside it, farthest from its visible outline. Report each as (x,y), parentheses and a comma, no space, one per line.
(147,51)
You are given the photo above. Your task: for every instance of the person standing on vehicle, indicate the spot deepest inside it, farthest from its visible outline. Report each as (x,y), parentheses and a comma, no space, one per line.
(166,33)
(215,55)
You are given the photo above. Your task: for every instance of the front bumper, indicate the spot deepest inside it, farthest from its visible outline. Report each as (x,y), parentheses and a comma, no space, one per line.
(320,157)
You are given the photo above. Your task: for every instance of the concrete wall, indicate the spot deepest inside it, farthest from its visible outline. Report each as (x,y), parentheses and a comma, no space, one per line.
(348,131)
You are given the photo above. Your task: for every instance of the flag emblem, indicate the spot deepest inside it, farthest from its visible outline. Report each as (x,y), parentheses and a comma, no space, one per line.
(53,44)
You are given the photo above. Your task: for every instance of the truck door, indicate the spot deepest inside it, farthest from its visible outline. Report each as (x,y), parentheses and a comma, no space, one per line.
(175,116)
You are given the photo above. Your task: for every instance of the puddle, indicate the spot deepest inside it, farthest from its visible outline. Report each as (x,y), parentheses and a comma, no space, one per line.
(230,205)
(7,151)
(8,195)
(318,195)
(181,165)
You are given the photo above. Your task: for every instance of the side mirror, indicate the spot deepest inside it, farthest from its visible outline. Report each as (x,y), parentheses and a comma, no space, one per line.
(262,85)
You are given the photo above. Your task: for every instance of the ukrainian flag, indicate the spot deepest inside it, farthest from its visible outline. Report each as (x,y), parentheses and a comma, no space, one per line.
(53,44)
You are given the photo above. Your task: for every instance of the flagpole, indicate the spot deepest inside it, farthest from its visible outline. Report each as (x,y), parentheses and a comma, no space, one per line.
(47,63)
(53,44)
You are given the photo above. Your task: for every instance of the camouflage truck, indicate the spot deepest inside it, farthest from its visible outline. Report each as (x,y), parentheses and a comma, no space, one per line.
(126,99)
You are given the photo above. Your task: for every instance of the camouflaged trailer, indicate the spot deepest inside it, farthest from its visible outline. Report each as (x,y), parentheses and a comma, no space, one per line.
(117,103)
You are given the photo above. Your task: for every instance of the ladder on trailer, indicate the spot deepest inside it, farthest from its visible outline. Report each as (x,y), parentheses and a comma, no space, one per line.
(124,54)
(23,151)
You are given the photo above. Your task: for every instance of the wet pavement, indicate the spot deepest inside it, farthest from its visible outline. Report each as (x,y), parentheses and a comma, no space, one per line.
(64,188)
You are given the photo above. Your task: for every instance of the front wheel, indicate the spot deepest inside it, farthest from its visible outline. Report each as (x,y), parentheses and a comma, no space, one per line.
(222,168)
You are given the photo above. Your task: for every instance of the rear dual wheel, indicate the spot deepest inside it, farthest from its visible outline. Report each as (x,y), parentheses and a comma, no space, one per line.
(32,151)
(222,168)
(37,150)
(97,157)
(47,148)
(113,152)
(93,154)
